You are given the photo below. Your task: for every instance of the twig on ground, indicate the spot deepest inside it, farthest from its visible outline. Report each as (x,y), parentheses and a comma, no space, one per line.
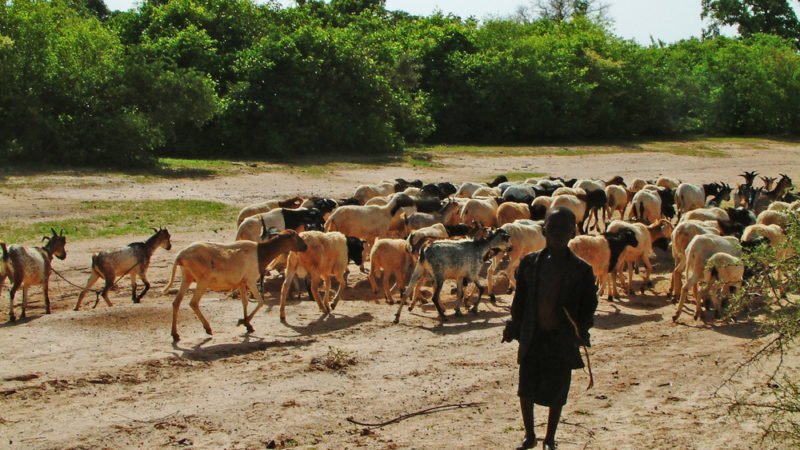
(435,409)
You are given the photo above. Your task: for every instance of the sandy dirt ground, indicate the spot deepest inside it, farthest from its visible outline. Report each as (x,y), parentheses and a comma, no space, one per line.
(111,377)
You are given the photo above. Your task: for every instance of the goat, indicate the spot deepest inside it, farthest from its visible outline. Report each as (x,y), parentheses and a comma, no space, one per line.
(258,208)
(646,206)
(769,196)
(461,260)
(616,181)
(390,257)
(768,181)
(745,194)
(646,237)
(468,189)
(486,191)
(325,256)
(690,196)
(567,183)
(133,259)
(401,185)
(224,267)
(511,211)
(602,253)
(722,194)
(520,193)
(772,217)
(322,204)
(669,183)
(481,210)
(722,271)
(525,237)
(574,204)
(756,234)
(448,215)
(367,191)
(711,213)
(700,249)
(435,231)
(617,200)
(31,266)
(440,190)
(282,219)
(683,233)
(369,222)
(539,207)
(741,215)
(637,185)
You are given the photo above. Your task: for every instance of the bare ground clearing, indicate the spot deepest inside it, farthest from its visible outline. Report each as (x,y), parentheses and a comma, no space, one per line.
(110,377)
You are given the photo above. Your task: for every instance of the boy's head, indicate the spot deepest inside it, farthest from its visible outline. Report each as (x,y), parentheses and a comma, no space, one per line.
(559,228)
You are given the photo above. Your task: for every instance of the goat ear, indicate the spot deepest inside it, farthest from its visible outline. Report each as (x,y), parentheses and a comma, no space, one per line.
(46,238)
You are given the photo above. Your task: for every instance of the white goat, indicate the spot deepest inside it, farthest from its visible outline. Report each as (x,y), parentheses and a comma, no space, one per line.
(700,249)
(30,266)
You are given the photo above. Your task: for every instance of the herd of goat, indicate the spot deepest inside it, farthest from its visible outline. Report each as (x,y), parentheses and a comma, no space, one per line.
(419,233)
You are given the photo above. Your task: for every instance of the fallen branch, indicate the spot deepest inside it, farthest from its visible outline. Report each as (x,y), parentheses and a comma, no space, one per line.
(435,409)
(156,420)
(749,361)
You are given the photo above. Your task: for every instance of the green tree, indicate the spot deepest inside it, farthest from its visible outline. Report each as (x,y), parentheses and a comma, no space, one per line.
(753,16)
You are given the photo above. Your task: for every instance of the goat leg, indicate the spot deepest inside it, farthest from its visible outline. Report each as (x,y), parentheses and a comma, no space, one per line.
(439,283)
(478,301)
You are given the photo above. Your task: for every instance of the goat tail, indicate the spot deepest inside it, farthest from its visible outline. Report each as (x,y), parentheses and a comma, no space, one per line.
(5,251)
(172,277)
(639,212)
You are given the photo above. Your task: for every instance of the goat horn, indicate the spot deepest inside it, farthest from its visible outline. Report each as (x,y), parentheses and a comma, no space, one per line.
(62,233)
(54,232)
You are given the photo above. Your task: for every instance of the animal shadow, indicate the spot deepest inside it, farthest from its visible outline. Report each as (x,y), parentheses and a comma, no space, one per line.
(250,345)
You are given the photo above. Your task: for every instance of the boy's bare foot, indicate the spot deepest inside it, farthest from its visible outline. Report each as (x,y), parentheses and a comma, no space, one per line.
(528,442)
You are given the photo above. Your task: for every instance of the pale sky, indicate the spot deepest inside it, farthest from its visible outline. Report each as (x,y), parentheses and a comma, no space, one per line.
(669,21)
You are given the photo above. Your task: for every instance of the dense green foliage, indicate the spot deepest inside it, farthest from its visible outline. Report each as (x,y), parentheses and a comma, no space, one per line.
(231,78)
(753,16)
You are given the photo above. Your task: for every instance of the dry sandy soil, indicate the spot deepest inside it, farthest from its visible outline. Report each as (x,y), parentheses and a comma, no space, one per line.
(110,377)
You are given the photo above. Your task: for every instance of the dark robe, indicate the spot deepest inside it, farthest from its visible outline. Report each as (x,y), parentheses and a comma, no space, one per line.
(546,357)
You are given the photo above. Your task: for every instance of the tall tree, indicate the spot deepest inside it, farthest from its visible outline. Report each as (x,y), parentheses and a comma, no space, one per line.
(562,10)
(753,16)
